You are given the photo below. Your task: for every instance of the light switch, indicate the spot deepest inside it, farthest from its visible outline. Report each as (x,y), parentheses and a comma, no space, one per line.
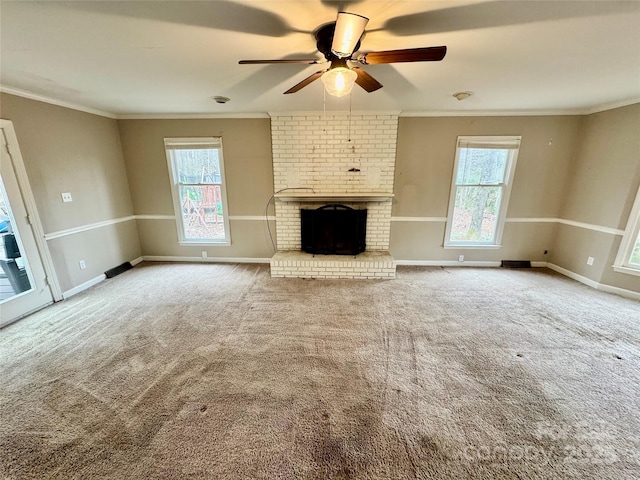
(66,197)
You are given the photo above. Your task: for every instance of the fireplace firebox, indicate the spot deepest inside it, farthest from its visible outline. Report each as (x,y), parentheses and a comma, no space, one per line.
(334,230)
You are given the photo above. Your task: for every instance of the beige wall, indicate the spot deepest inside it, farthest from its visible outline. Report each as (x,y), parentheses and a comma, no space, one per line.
(248,171)
(66,150)
(605,176)
(580,168)
(422,241)
(606,171)
(424,166)
(249,239)
(102,248)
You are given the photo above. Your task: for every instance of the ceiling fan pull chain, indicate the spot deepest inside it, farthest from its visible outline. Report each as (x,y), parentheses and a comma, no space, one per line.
(324,114)
(349,127)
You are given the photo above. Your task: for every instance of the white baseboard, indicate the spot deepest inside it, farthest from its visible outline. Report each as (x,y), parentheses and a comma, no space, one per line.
(83,286)
(446,263)
(572,275)
(159,258)
(94,281)
(593,284)
(422,263)
(619,291)
(453,263)
(563,271)
(538,264)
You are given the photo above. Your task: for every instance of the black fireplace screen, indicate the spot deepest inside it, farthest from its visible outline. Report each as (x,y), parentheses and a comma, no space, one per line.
(334,229)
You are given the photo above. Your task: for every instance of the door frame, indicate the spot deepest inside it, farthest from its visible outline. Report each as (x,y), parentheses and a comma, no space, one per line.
(30,205)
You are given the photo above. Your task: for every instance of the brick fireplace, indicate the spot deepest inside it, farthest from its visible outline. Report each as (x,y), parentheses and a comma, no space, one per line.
(333,157)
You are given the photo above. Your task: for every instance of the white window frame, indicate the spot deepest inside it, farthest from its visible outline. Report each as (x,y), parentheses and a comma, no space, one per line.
(510,142)
(171,144)
(621,263)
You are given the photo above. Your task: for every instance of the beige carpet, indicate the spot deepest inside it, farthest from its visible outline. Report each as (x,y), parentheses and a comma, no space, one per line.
(217,371)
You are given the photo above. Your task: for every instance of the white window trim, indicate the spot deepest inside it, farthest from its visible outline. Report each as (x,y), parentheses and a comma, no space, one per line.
(621,263)
(510,141)
(177,206)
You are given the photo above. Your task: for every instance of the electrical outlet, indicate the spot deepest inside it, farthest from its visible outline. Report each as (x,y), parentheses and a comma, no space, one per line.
(461,258)
(83,265)
(204,254)
(66,197)
(590,260)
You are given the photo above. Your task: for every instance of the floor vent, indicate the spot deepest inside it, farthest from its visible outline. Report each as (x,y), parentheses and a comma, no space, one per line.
(118,270)
(515,264)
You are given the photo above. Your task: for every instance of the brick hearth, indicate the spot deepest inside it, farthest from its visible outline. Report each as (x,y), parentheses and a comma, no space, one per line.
(369,265)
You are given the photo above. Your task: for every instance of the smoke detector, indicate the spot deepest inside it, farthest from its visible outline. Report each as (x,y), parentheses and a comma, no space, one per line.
(220,99)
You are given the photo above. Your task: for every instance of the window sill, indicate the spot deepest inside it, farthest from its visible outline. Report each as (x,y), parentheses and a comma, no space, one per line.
(195,243)
(474,247)
(627,270)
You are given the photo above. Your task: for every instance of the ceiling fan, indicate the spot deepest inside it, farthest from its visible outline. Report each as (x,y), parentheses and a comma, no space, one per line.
(338,41)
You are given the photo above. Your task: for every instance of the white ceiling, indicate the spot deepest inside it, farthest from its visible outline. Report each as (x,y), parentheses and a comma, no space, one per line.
(171,57)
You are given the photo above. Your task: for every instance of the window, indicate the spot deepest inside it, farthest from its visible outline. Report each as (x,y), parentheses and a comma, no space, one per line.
(482,178)
(628,259)
(196,169)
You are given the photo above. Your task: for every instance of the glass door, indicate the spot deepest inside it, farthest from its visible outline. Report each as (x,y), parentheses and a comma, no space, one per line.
(23,285)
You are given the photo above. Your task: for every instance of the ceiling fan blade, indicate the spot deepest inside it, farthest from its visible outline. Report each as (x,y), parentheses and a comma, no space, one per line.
(349,28)
(305,82)
(285,61)
(366,81)
(427,54)
(216,15)
(498,14)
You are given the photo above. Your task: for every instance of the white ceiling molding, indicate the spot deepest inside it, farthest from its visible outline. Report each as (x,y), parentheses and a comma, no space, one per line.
(332,113)
(611,106)
(493,113)
(524,113)
(191,116)
(41,98)
(404,114)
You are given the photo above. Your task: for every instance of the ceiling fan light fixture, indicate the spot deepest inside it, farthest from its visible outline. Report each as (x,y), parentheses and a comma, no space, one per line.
(339,81)
(349,29)
(339,42)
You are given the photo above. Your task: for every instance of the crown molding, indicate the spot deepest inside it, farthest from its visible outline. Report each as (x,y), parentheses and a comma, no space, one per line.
(332,113)
(523,113)
(610,106)
(490,113)
(143,116)
(52,101)
(190,116)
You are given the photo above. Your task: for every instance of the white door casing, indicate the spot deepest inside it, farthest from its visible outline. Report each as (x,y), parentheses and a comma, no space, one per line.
(38,263)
